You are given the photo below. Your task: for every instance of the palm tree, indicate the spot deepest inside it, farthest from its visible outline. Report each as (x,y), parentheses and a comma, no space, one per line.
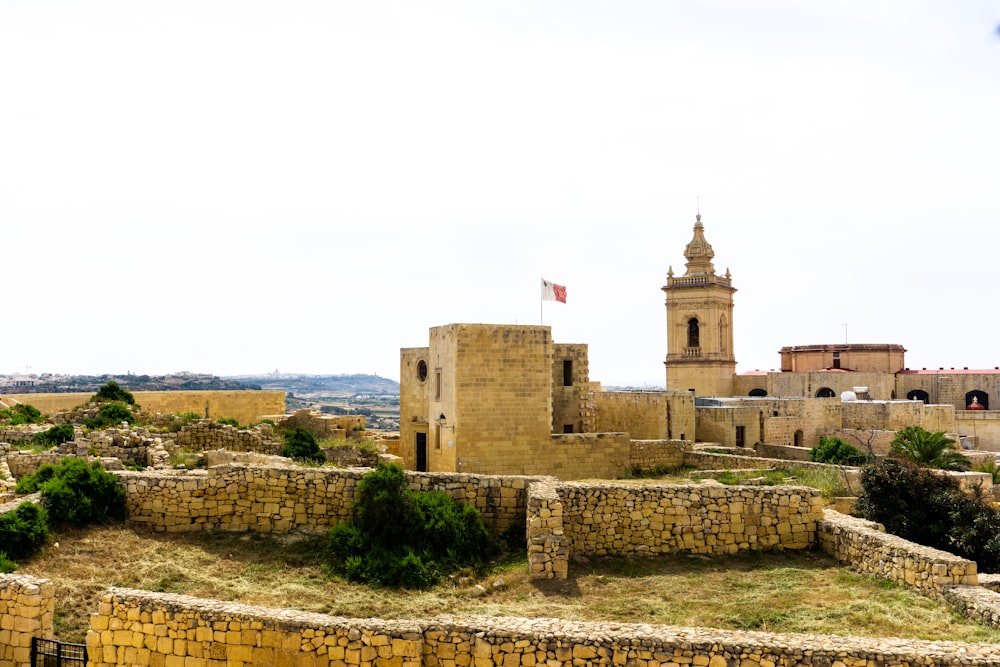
(933,450)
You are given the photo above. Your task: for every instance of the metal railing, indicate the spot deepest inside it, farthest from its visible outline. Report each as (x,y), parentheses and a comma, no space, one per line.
(50,653)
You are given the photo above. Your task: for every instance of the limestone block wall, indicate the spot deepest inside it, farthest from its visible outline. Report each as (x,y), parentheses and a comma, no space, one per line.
(27,609)
(721,424)
(140,628)
(642,414)
(887,415)
(283,498)
(666,518)
(206,434)
(326,427)
(870,550)
(583,455)
(982,425)
(548,547)
(244,406)
(657,454)
(570,380)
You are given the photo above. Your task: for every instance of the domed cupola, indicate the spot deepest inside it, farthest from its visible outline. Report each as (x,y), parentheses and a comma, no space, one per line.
(699,252)
(975,405)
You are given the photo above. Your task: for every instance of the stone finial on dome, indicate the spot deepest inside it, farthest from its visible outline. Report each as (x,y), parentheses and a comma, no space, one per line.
(699,252)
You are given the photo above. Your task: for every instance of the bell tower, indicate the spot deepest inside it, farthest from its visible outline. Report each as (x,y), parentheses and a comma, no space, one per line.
(700,323)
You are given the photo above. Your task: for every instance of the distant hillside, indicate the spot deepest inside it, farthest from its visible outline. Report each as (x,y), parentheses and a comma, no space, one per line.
(328,385)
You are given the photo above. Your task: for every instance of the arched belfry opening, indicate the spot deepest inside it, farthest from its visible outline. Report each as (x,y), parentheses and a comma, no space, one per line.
(700,323)
(694,333)
(918,395)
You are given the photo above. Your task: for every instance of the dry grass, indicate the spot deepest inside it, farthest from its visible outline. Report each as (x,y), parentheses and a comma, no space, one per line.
(781,592)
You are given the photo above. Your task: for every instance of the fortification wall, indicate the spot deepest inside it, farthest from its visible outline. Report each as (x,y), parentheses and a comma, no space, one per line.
(244,406)
(666,518)
(140,628)
(27,609)
(642,414)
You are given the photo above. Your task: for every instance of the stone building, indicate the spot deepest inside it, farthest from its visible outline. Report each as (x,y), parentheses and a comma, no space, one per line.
(506,399)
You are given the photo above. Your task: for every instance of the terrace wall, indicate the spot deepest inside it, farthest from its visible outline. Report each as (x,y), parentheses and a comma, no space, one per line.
(141,628)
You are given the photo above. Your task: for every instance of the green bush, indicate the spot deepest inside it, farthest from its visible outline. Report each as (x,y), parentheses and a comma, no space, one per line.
(6,564)
(22,413)
(929,508)
(228,421)
(23,531)
(56,435)
(400,538)
(112,391)
(837,452)
(110,414)
(76,493)
(32,483)
(300,444)
(933,450)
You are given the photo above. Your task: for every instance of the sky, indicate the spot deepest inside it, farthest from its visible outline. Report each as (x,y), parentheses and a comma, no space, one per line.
(242,187)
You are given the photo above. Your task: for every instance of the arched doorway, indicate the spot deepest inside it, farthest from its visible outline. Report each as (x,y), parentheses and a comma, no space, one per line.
(798,438)
(918,395)
(981,397)
(825,392)
(758,393)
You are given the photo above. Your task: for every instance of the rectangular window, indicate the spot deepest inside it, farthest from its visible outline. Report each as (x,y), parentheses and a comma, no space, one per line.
(567,372)
(437,385)
(437,437)
(567,428)
(741,436)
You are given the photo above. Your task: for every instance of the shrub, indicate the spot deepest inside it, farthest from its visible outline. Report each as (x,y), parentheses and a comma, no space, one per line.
(6,564)
(56,435)
(110,414)
(228,421)
(300,444)
(22,413)
(397,537)
(23,531)
(837,452)
(76,493)
(111,391)
(929,508)
(32,483)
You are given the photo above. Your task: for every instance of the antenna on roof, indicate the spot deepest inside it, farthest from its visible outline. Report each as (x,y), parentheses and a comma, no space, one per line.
(845,333)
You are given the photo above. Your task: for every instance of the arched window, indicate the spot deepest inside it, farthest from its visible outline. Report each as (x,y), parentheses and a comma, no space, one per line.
(723,335)
(758,393)
(918,395)
(825,392)
(693,333)
(980,397)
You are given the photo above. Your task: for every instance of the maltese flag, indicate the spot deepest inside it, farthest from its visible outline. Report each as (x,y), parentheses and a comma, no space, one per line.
(553,292)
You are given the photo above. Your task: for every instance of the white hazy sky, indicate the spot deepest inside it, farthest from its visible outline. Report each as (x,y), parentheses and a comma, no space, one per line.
(237,187)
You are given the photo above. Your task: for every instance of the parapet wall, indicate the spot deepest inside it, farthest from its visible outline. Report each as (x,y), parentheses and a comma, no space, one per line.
(707,518)
(27,609)
(140,628)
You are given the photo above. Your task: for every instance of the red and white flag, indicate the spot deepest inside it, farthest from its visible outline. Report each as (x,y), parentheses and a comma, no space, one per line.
(553,292)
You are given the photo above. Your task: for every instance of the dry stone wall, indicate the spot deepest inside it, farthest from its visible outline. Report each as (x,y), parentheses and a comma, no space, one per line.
(281,498)
(707,518)
(140,628)
(866,546)
(27,609)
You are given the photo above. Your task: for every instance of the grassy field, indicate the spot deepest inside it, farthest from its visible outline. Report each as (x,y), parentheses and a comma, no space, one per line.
(780,592)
